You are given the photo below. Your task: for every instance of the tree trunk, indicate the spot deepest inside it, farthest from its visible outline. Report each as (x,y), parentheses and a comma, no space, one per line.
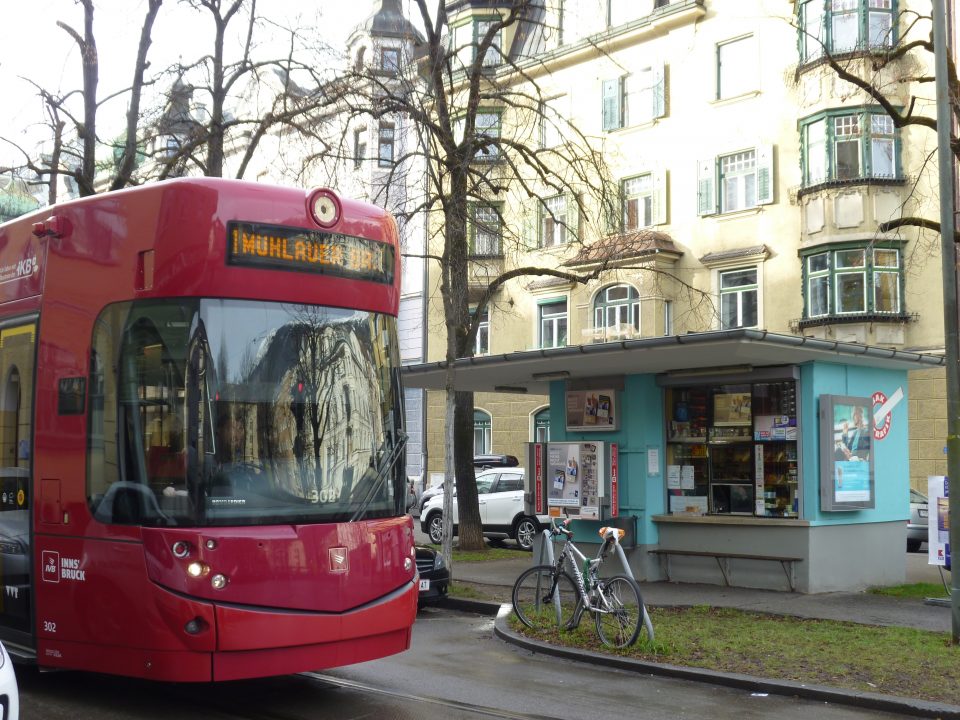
(471,532)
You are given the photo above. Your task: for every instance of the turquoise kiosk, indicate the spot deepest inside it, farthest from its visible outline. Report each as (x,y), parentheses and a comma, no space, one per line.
(736,457)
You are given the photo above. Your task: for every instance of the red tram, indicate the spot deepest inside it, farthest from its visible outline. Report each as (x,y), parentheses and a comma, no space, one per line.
(201,434)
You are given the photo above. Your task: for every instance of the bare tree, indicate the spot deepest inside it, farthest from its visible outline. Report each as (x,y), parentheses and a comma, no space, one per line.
(73,116)
(468,153)
(234,103)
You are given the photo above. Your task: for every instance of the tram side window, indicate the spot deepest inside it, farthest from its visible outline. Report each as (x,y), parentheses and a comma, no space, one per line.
(137,455)
(17,354)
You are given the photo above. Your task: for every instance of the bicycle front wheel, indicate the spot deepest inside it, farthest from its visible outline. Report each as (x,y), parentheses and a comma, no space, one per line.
(619,616)
(544,598)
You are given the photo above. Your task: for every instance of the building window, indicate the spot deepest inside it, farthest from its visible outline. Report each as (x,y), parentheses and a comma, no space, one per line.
(634,99)
(485,230)
(616,311)
(541,426)
(390,60)
(359,147)
(737,63)
(553,223)
(738,181)
(482,344)
(738,298)
(637,202)
(857,280)
(482,432)
(850,146)
(843,26)
(744,179)
(385,145)
(465,40)
(553,323)
(486,134)
(553,120)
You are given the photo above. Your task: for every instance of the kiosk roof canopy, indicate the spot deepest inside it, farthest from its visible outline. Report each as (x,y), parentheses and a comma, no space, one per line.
(531,371)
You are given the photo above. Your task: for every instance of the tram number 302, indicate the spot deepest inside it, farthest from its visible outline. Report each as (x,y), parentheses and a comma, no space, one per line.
(50,627)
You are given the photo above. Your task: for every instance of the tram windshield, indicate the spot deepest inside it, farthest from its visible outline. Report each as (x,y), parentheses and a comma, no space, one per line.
(226,412)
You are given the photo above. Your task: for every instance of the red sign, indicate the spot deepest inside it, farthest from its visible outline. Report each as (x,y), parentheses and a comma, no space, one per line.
(880,431)
(614,477)
(538,476)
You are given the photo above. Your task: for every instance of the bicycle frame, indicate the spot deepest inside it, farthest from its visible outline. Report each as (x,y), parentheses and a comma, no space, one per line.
(546,547)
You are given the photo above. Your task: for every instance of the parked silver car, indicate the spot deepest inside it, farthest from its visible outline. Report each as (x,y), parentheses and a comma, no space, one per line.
(917,524)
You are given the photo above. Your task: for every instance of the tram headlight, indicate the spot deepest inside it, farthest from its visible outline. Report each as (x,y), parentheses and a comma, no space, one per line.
(218,581)
(325,208)
(408,564)
(197,569)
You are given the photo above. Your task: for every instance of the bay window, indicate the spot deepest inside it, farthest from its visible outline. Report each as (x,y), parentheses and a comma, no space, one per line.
(852,281)
(844,26)
(844,146)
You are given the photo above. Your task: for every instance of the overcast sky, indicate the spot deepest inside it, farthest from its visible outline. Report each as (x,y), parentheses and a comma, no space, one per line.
(32,46)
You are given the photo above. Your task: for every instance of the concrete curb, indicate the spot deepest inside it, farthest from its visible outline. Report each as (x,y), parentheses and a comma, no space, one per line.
(871,701)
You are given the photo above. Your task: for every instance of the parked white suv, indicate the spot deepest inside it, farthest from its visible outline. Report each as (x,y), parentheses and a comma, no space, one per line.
(500,494)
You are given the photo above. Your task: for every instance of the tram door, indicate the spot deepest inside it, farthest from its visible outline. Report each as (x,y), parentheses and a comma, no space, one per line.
(17,359)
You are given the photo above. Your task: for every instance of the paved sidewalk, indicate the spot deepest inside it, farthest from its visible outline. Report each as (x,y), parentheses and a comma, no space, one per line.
(852,607)
(497,577)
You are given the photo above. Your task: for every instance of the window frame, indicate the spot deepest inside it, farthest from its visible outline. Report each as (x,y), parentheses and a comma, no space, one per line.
(740,88)
(552,321)
(606,309)
(474,224)
(628,101)
(870,274)
(866,11)
(483,431)
(386,138)
(740,291)
(385,66)
(868,137)
(553,222)
(744,170)
(359,147)
(481,344)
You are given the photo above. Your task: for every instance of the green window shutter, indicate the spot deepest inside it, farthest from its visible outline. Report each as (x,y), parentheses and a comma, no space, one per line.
(611,104)
(764,174)
(659,91)
(706,185)
(659,182)
(572,218)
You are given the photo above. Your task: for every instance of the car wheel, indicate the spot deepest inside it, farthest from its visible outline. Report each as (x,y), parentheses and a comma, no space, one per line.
(435,528)
(913,545)
(525,532)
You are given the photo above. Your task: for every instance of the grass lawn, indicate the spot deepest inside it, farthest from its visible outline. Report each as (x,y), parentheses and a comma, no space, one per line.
(894,661)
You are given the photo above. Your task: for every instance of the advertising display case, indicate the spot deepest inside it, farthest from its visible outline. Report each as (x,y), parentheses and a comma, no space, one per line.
(846,453)
(572,479)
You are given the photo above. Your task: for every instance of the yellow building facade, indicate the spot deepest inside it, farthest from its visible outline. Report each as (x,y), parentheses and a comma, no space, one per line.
(751,183)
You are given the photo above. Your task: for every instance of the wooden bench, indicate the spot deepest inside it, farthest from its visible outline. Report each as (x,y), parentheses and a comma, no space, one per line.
(723,559)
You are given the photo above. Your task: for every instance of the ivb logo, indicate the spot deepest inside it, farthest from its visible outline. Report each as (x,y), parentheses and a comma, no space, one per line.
(51,566)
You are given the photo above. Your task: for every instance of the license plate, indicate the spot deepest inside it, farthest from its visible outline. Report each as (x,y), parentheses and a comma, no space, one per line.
(424,585)
(922,513)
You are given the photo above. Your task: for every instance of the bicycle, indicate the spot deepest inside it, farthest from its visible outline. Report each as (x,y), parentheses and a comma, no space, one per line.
(546,595)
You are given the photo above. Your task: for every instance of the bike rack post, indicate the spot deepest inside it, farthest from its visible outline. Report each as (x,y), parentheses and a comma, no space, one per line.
(647,623)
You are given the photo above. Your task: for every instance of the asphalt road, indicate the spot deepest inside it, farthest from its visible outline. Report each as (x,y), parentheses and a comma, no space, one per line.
(456,669)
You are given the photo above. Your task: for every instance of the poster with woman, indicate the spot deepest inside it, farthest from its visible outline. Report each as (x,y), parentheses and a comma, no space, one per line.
(846,453)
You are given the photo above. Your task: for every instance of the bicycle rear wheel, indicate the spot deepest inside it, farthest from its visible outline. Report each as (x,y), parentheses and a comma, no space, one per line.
(544,598)
(620,616)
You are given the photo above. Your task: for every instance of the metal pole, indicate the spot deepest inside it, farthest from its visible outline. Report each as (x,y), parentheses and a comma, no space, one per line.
(949,256)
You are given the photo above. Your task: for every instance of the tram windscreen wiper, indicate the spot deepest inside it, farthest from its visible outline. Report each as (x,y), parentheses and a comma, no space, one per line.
(383,470)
